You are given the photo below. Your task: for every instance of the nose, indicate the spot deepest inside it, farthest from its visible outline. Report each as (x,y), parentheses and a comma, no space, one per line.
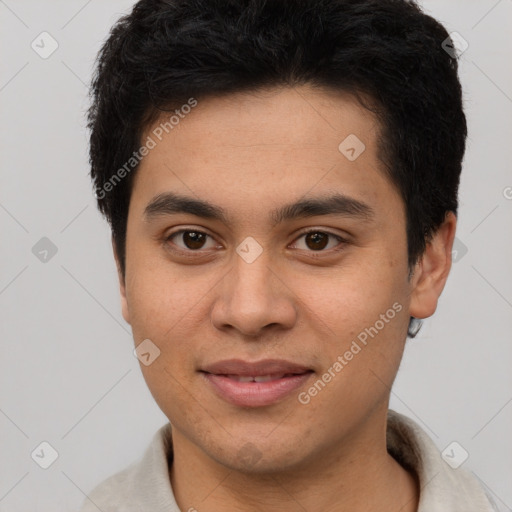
(253,298)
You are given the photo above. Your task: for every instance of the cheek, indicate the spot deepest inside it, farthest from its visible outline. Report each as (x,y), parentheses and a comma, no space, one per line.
(362,314)
(161,299)
(360,358)
(355,296)
(164,308)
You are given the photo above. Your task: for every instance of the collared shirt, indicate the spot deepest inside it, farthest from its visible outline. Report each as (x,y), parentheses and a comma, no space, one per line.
(145,486)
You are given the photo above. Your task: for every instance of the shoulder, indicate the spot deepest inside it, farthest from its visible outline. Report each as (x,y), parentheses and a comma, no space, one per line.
(143,485)
(443,488)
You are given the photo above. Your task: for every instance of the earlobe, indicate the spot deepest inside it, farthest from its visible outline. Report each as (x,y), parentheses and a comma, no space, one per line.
(122,285)
(431,271)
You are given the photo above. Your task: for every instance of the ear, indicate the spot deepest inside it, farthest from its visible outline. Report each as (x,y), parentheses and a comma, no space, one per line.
(431,271)
(122,286)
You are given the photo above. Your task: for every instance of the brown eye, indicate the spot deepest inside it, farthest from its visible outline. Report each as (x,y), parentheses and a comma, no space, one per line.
(190,240)
(193,239)
(317,241)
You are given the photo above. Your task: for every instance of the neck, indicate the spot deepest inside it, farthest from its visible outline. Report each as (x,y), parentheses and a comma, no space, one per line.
(359,477)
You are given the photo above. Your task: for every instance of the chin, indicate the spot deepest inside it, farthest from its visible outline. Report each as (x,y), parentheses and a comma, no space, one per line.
(263,457)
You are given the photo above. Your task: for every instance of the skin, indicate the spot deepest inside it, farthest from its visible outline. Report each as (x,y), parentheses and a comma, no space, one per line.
(250,153)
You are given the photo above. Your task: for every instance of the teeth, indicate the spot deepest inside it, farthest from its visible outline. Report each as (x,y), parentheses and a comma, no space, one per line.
(266,378)
(259,378)
(243,379)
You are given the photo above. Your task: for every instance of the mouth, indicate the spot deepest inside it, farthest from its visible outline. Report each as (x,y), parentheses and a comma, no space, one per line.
(260,378)
(257,384)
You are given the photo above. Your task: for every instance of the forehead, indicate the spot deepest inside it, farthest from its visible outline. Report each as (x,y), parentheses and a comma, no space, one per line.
(259,149)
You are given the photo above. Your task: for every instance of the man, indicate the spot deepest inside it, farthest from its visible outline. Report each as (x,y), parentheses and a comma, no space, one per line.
(281,181)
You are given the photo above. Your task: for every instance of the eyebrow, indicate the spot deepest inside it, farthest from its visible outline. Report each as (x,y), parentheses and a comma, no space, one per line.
(171,203)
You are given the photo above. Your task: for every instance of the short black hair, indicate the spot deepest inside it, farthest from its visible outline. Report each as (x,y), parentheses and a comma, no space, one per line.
(388,53)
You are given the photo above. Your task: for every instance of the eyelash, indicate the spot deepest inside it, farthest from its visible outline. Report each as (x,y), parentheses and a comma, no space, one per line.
(190,252)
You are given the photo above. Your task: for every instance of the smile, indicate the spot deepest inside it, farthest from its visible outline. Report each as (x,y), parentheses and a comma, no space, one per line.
(258,384)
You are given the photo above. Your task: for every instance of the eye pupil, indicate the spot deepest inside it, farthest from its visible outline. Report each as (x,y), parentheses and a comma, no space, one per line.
(193,240)
(319,240)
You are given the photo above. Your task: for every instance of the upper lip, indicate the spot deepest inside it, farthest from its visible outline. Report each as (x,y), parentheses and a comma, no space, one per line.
(253,369)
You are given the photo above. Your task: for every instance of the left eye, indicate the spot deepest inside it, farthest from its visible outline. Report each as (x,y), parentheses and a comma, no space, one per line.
(318,240)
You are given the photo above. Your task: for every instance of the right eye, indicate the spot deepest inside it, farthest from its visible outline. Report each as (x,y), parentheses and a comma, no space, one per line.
(190,240)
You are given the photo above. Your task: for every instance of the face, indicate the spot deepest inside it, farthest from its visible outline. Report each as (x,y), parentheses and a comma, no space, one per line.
(258,247)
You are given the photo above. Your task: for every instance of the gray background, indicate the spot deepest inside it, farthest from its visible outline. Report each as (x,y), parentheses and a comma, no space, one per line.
(67,372)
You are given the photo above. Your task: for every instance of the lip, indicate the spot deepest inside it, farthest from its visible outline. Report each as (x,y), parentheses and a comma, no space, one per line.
(286,378)
(252,369)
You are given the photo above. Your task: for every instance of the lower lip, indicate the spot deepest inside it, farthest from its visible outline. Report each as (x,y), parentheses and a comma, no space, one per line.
(255,394)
